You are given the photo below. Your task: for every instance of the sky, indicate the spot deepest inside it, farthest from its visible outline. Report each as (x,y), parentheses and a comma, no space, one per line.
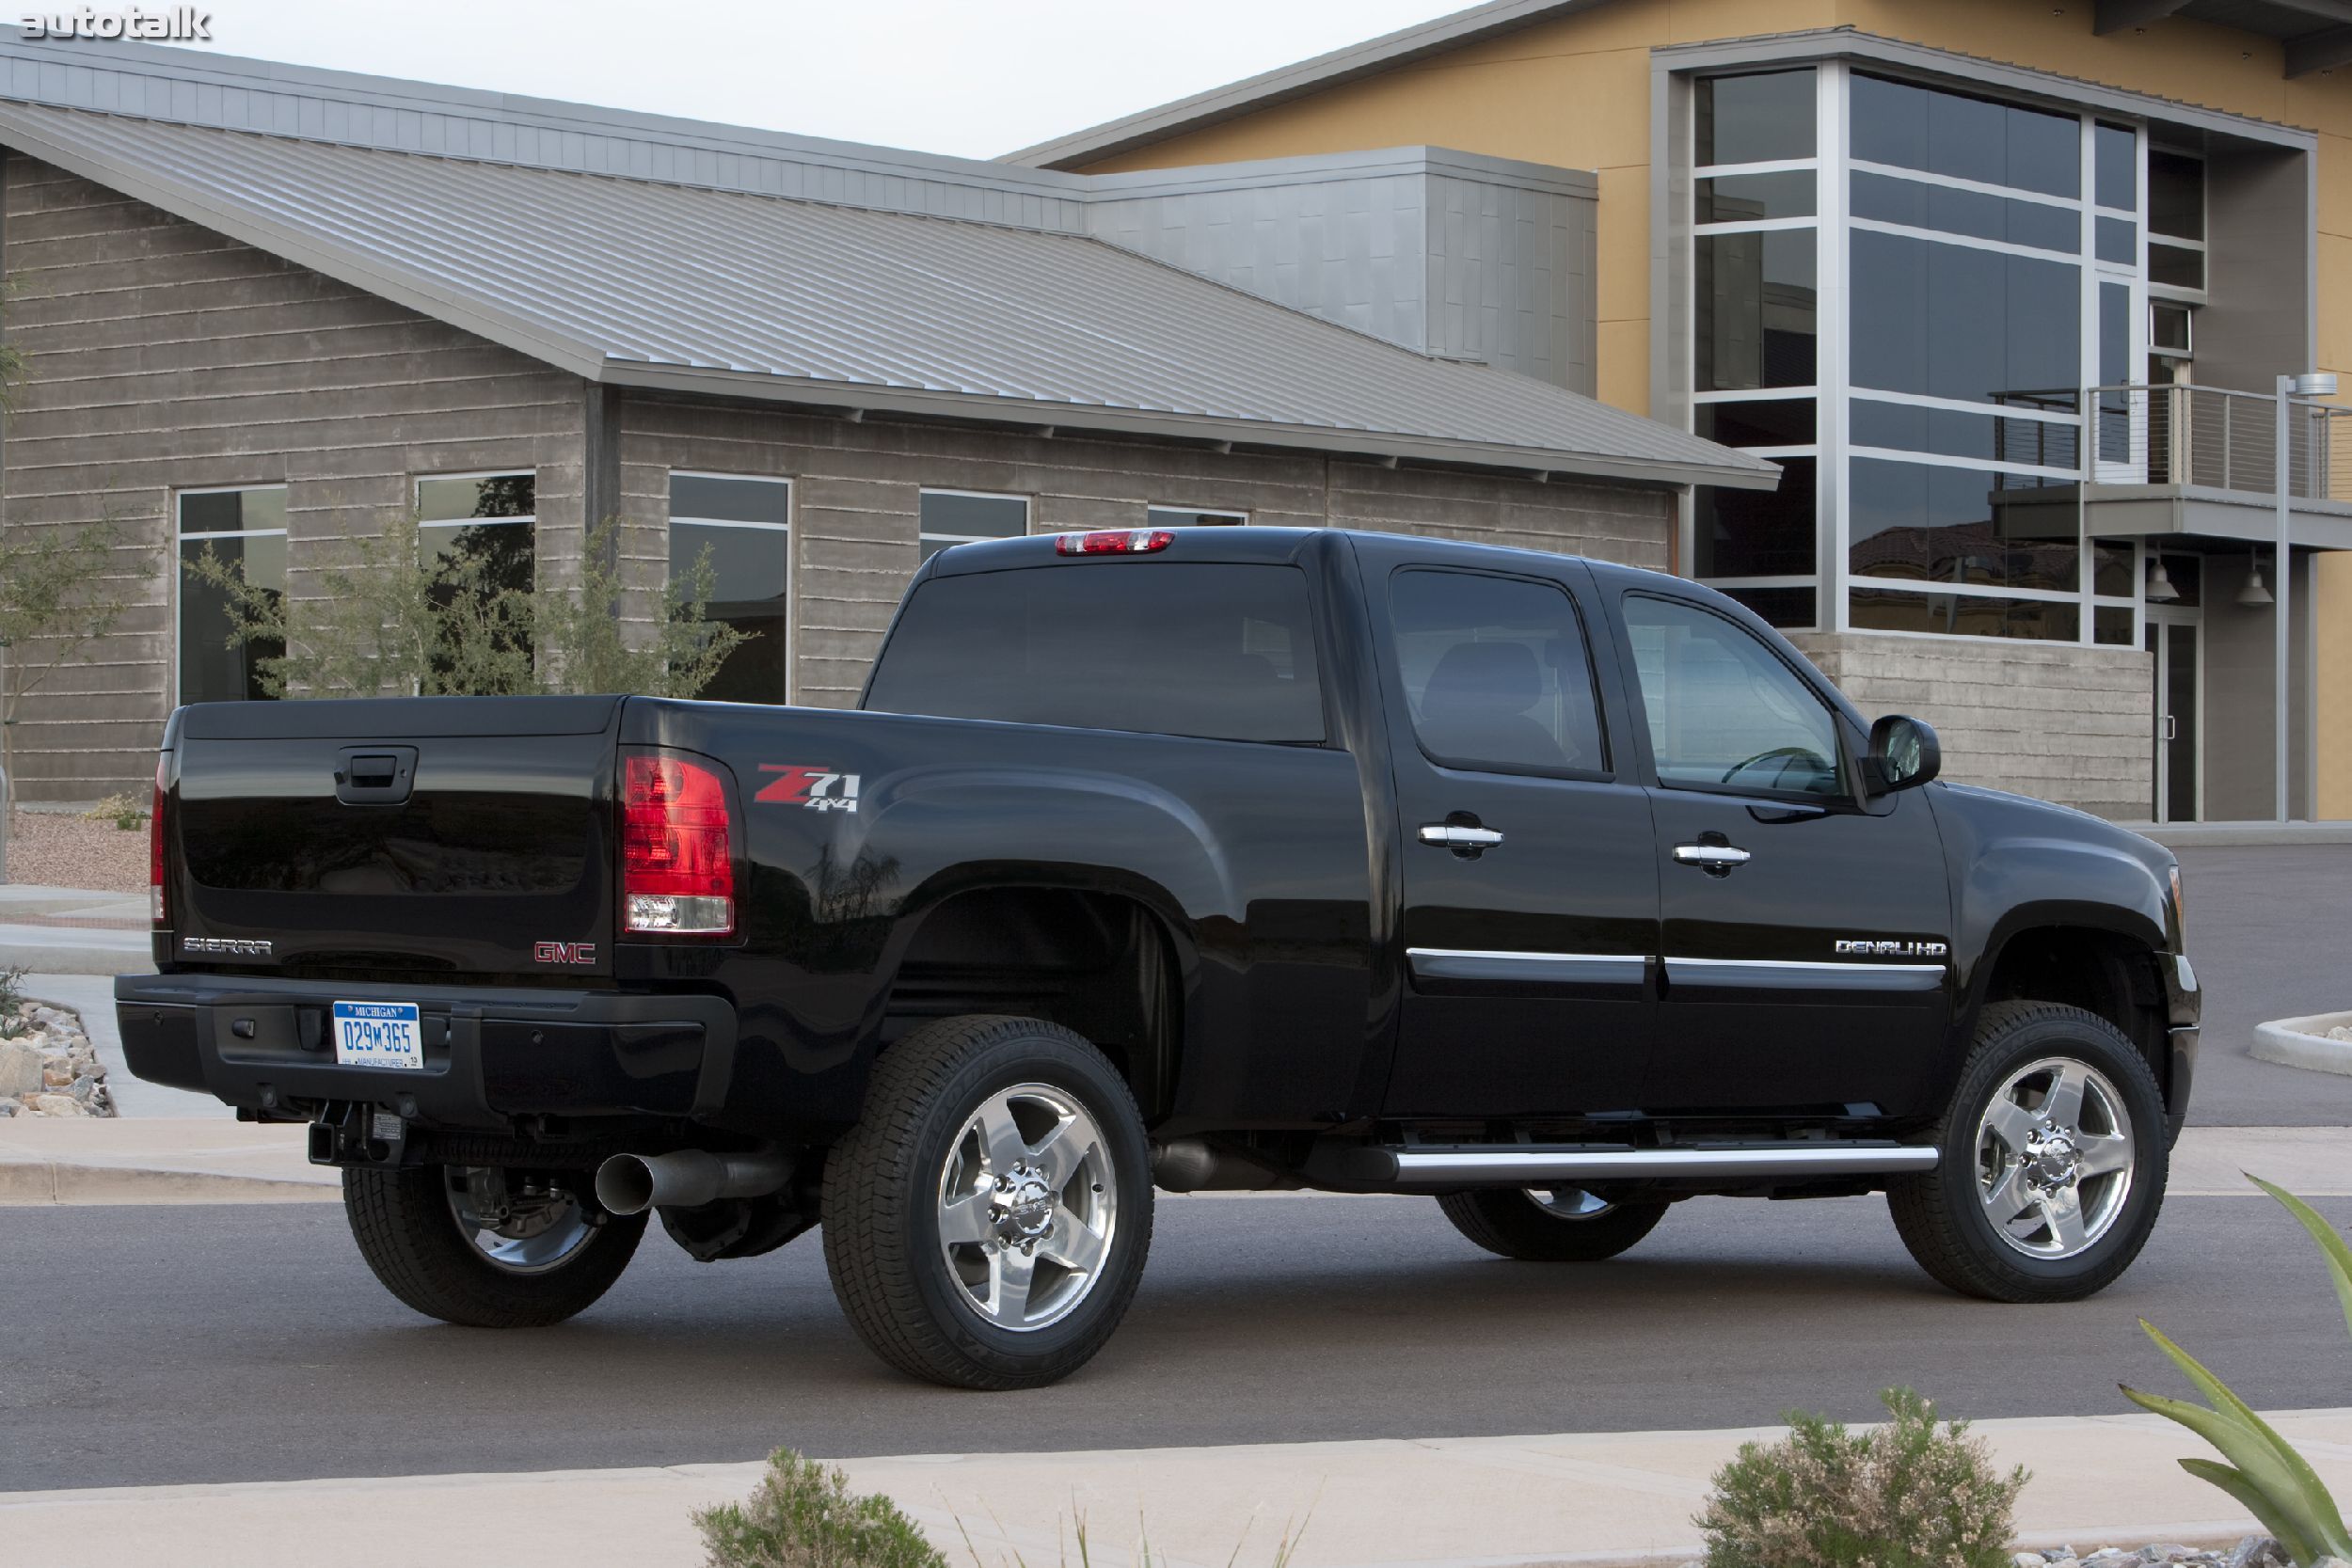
(974,79)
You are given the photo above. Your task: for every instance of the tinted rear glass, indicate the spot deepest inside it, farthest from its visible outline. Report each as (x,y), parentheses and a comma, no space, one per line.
(1225,652)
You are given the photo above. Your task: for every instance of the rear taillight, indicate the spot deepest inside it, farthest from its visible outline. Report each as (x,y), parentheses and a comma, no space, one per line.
(155,846)
(677,861)
(1138,541)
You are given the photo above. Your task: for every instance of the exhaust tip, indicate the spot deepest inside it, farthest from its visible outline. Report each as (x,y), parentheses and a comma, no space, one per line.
(625,1185)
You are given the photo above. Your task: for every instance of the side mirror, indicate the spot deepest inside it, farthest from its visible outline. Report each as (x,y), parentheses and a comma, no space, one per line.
(1903,752)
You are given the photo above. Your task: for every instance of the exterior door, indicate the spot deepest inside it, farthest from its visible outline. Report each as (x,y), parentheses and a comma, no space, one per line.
(1805,930)
(1529,896)
(2175,636)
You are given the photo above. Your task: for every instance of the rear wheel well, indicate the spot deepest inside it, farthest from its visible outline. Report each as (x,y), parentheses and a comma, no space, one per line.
(2100,972)
(1099,964)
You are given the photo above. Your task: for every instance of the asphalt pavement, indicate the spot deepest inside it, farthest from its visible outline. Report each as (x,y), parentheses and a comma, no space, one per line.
(249,1342)
(2270,932)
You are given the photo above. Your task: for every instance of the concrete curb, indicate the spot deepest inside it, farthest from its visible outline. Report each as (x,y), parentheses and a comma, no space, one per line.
(52,1182)
(74,950)
(2303,1042)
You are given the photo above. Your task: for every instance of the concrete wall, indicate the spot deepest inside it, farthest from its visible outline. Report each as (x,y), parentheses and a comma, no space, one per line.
(1442,252)
(2065,724)
(2241,664)
(857,488)
(162,356)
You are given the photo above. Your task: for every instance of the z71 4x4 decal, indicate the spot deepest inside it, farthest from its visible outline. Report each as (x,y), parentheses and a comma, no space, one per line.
(817,788)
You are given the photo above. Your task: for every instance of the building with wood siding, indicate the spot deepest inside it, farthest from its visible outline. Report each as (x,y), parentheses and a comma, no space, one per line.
(267,311)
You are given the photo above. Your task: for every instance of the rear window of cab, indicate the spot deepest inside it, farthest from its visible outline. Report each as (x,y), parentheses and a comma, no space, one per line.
(1222,652)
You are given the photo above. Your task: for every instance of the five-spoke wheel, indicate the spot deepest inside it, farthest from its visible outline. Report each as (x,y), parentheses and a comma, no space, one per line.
(2054,1157)
(2053,1164)
(1029,1207)
(1550,1225)
(986,1221)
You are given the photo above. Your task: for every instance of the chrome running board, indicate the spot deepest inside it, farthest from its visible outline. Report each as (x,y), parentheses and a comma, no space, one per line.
(1444,1166)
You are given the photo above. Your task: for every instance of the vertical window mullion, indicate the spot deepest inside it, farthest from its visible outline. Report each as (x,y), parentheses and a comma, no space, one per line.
(1833,373)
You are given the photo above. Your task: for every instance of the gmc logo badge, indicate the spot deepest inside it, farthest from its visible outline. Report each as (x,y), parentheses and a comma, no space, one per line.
(563,953)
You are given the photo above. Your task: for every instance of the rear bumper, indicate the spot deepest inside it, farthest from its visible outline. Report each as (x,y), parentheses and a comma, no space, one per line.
(493,1054)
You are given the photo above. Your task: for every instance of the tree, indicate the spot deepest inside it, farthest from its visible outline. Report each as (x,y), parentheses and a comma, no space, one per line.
(60,591)
(457,624)
(392,621)
(586,649)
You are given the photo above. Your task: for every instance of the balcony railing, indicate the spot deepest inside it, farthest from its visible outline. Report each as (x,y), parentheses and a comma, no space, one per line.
(2210,437)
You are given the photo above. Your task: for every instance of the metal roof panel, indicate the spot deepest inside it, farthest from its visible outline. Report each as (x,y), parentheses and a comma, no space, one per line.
(652,283)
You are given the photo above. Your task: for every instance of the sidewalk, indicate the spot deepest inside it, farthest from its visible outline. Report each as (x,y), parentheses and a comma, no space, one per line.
(1609,1497)
(157,1160)
(62,931)
(216,1159)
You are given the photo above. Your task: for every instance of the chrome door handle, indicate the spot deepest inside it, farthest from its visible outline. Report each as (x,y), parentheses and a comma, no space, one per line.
(1718,858)
(1450,835)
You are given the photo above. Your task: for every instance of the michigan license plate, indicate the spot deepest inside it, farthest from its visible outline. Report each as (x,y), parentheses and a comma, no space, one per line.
(379,1034)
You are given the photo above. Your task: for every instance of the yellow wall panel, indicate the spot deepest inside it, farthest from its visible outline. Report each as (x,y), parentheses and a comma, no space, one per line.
(1624,260)
(2334,689)
(1623,350)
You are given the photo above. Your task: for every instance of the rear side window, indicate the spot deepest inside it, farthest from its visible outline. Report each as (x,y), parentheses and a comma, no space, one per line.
(1224,652)
(1496,673)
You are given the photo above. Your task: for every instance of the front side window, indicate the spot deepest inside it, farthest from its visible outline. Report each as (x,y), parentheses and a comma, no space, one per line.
(743,527)
(965,516)
(246,531)
(1222,652)
(1496,673)
(1724,713)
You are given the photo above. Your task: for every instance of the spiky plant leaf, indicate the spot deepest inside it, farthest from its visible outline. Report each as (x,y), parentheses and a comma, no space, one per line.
(2325,1525)
(2250,1498)
(2331,1245)
(2265,1461)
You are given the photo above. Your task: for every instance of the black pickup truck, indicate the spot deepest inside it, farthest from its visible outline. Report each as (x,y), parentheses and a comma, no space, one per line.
(1224,858)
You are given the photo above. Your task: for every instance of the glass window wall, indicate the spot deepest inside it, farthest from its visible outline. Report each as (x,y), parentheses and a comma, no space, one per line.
(1903,311)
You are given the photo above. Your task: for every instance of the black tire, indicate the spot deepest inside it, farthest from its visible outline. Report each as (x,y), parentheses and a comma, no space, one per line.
(413,1243)
(1511,1223)
(883,1203)
(1941,1215)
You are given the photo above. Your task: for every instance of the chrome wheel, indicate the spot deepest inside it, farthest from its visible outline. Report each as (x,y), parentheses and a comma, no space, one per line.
(524,1227)
(1027,1207)
(2055,1158)
(1569,1203)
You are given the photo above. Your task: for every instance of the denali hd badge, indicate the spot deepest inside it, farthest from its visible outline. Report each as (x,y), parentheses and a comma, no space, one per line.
(817,788)
(223,947)
(1865,947)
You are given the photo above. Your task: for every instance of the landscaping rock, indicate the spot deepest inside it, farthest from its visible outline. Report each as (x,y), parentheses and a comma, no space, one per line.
(20,1068)
(2257,1551)
(48,1066)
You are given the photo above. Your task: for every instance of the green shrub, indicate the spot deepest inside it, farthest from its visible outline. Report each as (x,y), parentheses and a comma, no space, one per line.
(11,999)
(126,811)
(2265,1476)
(802,1516)
(1906,1494)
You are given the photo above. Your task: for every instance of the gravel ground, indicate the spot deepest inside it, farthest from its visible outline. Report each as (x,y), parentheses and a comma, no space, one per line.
(60,849)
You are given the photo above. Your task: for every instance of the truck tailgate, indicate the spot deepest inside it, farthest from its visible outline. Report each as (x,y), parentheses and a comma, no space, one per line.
(394,836)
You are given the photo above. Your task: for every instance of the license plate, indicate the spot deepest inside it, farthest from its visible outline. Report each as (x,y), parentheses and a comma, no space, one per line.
(379,1034)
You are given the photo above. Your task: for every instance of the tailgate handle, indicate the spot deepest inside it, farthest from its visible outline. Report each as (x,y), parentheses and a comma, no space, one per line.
(375,775)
